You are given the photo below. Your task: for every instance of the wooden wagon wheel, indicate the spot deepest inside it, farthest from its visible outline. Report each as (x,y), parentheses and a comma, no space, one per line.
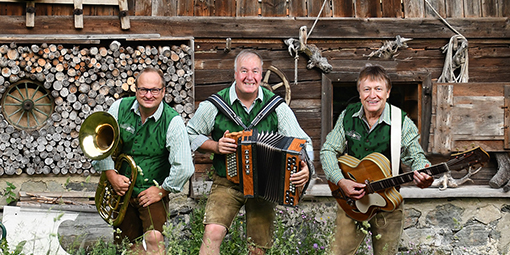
(27,105)
(273,87)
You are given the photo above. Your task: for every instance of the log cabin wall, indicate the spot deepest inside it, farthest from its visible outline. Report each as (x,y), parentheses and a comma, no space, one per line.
(346,32)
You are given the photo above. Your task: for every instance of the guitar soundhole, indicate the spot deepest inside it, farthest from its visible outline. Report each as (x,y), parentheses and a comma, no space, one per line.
(351,177)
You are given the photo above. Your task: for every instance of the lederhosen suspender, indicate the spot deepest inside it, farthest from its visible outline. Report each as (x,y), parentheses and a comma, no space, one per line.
(224,108)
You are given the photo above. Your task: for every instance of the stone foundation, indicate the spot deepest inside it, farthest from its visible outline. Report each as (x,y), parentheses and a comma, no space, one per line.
(467,220)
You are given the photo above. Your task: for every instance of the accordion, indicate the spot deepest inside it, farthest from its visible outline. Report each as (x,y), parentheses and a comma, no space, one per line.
(263,164)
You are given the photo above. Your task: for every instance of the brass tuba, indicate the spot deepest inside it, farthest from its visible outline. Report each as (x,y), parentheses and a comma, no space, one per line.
(99,138)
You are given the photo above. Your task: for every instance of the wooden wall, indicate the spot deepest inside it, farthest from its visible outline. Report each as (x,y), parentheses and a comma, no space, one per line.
(277,8)
(348,31)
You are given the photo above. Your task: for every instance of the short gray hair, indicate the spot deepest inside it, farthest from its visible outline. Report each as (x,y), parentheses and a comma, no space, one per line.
(245,53)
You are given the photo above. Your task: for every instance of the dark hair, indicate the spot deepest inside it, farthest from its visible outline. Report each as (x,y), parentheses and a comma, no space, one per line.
(245,53)
(374,73)
(151,70)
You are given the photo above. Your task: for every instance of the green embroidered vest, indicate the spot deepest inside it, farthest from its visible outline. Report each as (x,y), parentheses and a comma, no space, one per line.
(145,143)
(223,123)
(360,143)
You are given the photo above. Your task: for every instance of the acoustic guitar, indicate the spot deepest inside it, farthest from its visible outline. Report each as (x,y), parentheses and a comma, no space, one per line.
(380,193)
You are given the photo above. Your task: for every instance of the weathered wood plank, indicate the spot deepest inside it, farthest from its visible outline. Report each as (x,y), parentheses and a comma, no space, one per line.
(342,8)
(269,28)
(472,8)
(438,5)
(506,143)
(472,89)
(477,117)
(184,8)
(273,8)
(368,9)
(226,8)
(125,24)
(90,2)
(78,18)
(489,8)
(297,8)
(414,8)
(392,8)
(164,8)
(442,133)
(505,8)
(204,8)
(143,8)
(246,8)
(315,6)
(15,9)
(454,9)
(30,16)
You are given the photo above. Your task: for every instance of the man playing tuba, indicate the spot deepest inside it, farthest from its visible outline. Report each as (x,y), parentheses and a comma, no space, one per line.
(154,135)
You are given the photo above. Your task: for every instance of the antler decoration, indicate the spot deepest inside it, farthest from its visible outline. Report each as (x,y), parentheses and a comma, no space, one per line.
(300,45)
(390,48)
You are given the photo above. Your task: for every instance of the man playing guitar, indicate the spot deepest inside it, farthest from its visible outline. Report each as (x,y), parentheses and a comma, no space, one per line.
(364,128)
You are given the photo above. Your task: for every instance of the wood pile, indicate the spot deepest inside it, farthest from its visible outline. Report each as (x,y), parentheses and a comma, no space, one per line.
(81,81)
(69,200)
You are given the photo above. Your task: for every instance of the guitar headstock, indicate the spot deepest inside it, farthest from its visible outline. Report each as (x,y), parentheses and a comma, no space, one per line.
(473,157)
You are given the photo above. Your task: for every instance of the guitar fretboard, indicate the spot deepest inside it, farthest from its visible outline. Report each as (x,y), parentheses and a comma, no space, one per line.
(404,178)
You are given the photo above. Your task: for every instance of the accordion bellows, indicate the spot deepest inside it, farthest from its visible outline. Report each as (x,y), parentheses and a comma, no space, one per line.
(263,164)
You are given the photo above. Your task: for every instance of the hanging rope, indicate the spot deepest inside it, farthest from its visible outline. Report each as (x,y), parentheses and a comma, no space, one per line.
(300,45)
(316,19)
(296,58)
(456,55)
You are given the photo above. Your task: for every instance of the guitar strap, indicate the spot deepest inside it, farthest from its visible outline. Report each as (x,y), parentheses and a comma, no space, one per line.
(224,108)
(395,136)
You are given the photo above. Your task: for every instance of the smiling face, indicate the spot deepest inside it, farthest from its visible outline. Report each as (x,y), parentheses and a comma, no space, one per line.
(373,95)
(248,75)
(149,102)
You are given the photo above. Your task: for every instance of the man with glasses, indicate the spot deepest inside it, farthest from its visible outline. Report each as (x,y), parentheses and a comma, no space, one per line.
(155,136)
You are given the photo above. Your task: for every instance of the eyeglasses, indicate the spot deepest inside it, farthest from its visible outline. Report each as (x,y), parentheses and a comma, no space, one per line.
(154,92)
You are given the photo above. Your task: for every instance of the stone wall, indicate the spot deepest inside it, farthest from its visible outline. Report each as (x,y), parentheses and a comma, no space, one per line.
(437,222)
(458,225)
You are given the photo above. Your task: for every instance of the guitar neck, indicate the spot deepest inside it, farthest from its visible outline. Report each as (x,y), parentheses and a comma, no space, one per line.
(404,178)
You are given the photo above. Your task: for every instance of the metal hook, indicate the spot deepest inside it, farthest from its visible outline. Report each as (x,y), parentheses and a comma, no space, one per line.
(228,45)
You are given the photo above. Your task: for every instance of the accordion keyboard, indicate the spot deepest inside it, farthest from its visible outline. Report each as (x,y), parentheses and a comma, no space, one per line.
(292,167)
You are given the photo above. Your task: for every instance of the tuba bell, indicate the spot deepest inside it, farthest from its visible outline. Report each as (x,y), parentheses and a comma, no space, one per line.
(99,138)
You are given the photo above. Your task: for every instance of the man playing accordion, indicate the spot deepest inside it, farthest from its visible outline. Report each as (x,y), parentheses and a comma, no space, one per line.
(246,98)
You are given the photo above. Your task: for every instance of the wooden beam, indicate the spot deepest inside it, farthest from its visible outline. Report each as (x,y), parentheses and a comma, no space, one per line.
(124,18)
(78,13)
(269,28)
(442,132)
(63,38)
(87,2)
(326,107)
(506,144)
(30,16)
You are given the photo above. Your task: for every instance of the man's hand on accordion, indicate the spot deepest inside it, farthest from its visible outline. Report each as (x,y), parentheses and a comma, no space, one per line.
(226,145)
(300,178)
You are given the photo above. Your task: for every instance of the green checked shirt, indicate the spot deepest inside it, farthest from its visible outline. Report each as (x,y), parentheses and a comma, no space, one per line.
(180,161)
(411,153)
(202,124)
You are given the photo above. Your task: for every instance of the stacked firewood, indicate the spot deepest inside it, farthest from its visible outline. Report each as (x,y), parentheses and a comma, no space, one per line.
(81,81)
